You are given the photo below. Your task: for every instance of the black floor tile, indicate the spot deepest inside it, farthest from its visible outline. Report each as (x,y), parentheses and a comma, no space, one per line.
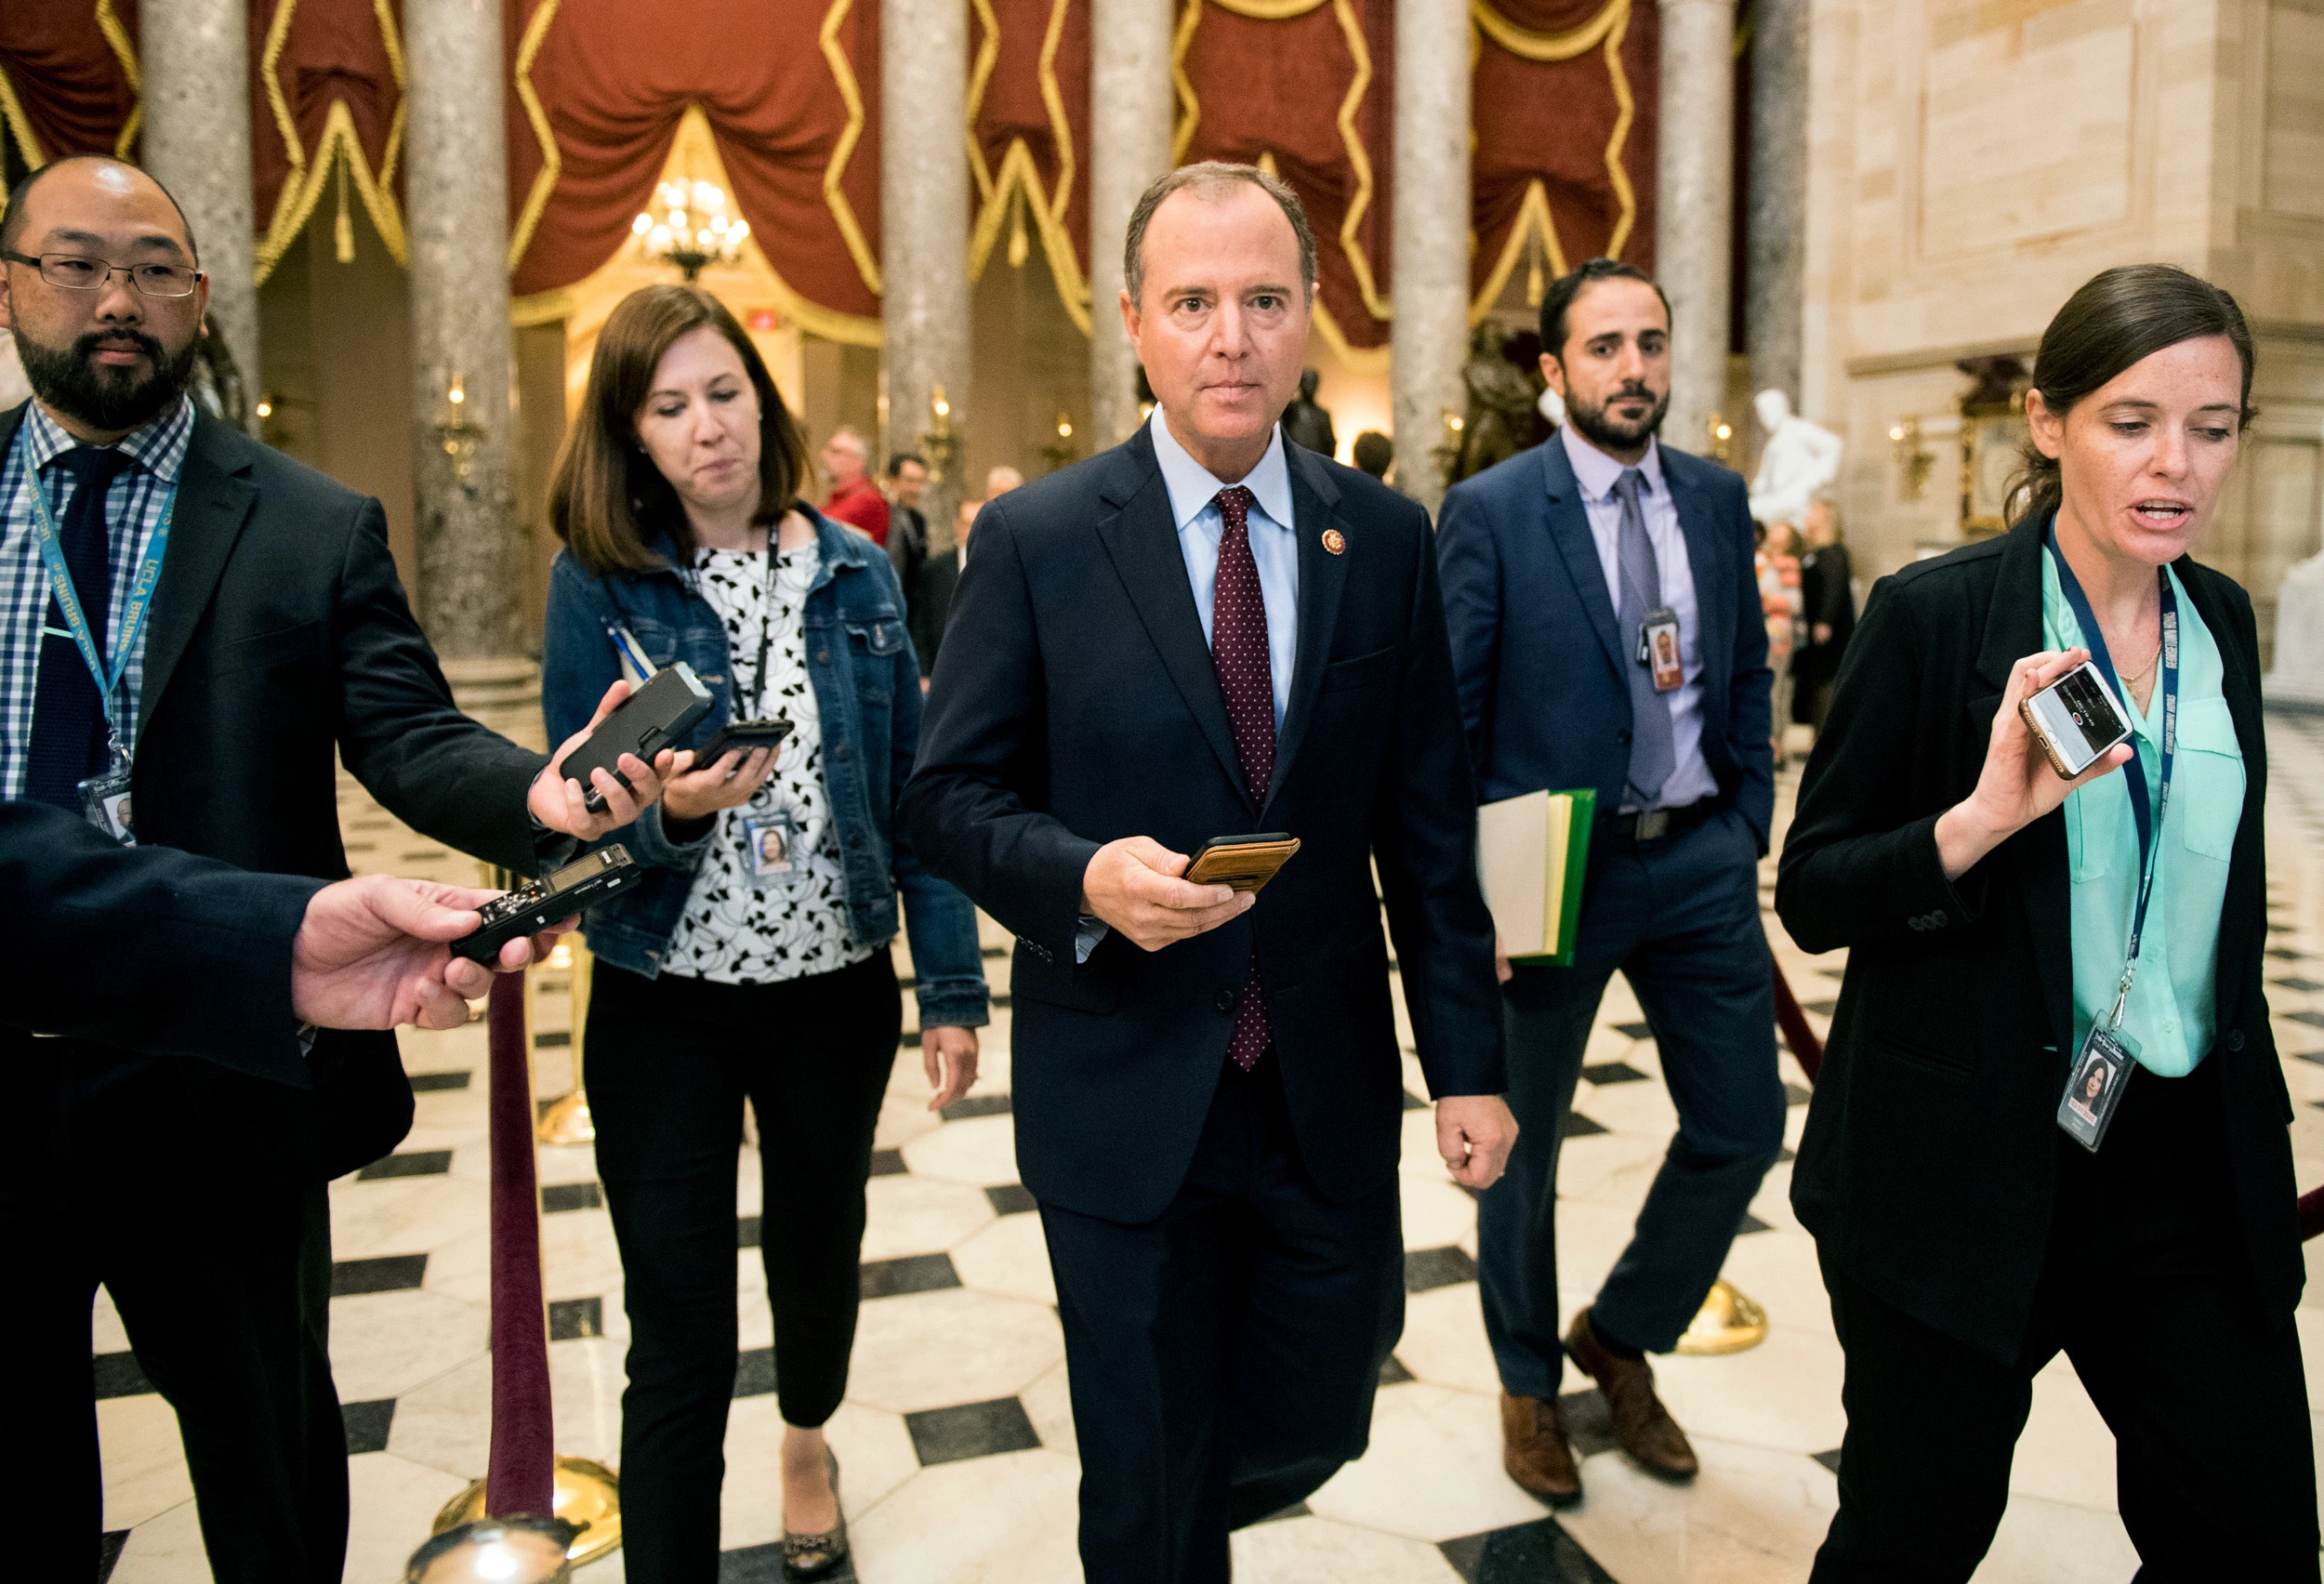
(570,1319)
(423,855)
(1830,1459)
(424,1082)
(1751,1224)
(119,1375)
(1821,1009)
(1011,1199)
(913,1272)
(109,1546)
(1425,1270)
(555,1039)
(1297,1509)
(418,1163)
(2314,1020)
(1588,1422)
(977,1105)
(746,1232)
(763,1564)
(1794,1095)
(396,1273)
(1392,1372)
(754,1372)
(2296,982)
(1579,1127)
(2314,1056)
(887,1163)
(1635,1030)
(558,1196)
(1785,1153)
(1538,1552)
(2283,954)
(1413,1102)
(974,1430)
(1612,1073)
(367,1425)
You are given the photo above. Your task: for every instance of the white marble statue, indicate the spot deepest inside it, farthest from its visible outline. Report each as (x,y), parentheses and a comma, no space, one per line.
(2297,681)
(1801,459)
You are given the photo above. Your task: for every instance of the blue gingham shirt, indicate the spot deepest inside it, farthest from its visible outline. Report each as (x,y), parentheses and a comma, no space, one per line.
(133,509)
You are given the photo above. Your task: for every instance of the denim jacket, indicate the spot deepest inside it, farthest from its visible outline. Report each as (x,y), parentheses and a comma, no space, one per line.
(868,689)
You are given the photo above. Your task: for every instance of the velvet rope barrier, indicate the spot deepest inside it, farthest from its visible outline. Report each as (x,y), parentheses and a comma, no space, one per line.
(521,1475)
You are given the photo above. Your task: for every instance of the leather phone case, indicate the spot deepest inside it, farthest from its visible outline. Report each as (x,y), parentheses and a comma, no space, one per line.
(1245,866)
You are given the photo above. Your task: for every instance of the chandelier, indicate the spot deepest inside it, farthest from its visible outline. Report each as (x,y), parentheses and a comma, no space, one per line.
(688,227)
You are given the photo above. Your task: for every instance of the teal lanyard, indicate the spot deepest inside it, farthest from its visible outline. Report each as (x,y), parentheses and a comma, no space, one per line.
(108,677)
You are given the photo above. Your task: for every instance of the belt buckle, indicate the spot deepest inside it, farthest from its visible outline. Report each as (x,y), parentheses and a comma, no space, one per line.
(1652,824)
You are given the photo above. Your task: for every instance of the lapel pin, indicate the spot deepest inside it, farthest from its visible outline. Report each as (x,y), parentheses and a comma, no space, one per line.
(1335,541)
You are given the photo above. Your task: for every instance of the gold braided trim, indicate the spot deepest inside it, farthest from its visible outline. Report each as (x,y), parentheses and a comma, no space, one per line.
(552,158)
(1533,219)
(303,188)
(1018,177)
(1379,307)
(1626,111)
(1532,45)
(1366,360)
(117,39)
(21,126)
(843,73)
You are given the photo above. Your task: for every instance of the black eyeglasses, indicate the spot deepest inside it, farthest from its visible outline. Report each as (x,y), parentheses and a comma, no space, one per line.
(76,273)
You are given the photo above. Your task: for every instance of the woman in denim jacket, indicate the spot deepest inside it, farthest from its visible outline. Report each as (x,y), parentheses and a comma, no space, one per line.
(753,962)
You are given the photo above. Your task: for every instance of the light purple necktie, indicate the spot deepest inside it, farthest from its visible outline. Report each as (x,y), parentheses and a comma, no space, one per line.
(1238,652)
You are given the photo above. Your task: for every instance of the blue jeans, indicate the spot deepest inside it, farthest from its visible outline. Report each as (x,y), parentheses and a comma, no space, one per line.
(1679,916)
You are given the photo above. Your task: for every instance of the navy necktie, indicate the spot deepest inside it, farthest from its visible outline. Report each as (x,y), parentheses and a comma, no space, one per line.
(69,738)
(1238,652)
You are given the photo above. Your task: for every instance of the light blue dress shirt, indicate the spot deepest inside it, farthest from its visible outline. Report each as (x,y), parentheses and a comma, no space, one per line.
(1273,543)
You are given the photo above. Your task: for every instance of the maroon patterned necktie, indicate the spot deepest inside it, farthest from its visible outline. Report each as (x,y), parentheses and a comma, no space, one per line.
(1238,652)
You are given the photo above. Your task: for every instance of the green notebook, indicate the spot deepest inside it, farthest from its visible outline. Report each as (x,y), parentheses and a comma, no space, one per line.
(1532,853)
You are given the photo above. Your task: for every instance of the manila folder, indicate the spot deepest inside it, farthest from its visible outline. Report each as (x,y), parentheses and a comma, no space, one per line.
(1532,852)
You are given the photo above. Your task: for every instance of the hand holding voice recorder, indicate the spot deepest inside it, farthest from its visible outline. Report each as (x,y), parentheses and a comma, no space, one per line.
(647,721)
(530,909)
(2075,719)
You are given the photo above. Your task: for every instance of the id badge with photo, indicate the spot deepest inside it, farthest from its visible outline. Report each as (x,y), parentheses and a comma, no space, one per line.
(105,802)
(775,849)
(1658,648)
(2094,1085)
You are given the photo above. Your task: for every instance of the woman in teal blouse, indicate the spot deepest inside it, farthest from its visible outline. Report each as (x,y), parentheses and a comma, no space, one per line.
(2008,1000)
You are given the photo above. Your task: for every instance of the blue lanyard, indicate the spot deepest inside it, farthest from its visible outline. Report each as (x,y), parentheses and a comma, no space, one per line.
(2150,821)
(107,679)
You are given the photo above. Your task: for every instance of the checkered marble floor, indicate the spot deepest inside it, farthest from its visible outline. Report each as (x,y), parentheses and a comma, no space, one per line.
(956,1437)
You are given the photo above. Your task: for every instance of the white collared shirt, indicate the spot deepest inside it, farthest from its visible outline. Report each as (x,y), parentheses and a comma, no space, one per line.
(1273,542)
(1596,473)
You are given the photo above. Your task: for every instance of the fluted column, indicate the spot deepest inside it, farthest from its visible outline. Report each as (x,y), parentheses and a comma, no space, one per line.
(1694,208)
(924,231)
(1776,282)
(1429,336)
(1129,145)
(193,57)
(470,551)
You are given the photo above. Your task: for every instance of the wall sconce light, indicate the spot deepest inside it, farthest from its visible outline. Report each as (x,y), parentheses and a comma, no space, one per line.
(1722,435)
(1061,452)
(939,444)
(1447,451)
(459,434)
(1913,459)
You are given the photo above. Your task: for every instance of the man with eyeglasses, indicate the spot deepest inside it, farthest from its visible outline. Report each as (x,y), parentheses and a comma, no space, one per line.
(192,627)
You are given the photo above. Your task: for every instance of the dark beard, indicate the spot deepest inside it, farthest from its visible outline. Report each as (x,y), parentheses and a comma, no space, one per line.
(1611,434)
(72,381)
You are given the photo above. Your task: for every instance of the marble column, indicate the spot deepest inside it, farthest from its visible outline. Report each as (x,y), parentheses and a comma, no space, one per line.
(1694,210)
(1429,336)
(924,234)
(1777,227)
(193,57)
(1129,145)
(472,549)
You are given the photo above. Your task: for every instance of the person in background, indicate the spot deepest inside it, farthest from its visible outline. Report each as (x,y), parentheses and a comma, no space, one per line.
(277,649)
(1777,566)
(907,526)
(1561,566)
(1001,479)
(854,499)
(1375,452)
(1828,597)
(753,963)
(1306,421)
(1998,920)
(931,597)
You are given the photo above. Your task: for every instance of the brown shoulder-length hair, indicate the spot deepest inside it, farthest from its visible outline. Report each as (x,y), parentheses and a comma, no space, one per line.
(608,501)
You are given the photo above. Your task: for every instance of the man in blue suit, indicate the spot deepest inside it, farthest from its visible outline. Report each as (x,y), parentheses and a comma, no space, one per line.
(1607,633)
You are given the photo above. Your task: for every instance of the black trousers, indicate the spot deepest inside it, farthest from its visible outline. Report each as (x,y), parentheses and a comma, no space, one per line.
(2145,1290)
(1222,1357)
(222,1277)
(670,1062)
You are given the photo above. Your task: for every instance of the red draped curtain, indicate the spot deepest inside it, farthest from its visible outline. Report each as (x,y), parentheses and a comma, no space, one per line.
(68,77)
(1029,137)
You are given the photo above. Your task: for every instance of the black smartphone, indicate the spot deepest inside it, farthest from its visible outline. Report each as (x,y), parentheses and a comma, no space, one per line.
(648,720)
(747,735)
(530,909)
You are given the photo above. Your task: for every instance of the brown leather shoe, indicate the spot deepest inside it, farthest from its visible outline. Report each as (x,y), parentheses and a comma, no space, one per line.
(1641,1425)
(1534,1450)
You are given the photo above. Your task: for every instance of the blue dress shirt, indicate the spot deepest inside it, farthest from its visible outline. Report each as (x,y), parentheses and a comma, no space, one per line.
(1273,543)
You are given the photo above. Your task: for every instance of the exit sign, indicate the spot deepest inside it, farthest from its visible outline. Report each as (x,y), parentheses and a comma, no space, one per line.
(765,319)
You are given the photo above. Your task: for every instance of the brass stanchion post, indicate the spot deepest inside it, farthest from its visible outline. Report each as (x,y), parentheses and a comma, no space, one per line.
(567,1121)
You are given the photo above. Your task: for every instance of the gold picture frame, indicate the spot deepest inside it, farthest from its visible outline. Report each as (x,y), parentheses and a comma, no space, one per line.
(1992,439)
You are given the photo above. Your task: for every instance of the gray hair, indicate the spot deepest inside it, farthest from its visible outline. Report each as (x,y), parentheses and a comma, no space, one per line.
(1208,179)
(853,438)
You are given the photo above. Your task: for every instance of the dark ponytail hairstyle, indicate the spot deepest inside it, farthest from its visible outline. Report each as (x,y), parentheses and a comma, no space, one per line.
(2120,316)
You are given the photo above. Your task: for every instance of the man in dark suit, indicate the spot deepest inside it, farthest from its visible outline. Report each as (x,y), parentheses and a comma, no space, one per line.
(931,594)
(276,636)
(1208,632)
(1568,568)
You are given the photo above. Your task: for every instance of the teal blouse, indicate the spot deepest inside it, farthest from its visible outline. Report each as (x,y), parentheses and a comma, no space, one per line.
(2172,1012)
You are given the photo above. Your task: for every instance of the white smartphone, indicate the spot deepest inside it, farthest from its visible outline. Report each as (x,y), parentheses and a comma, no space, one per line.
(2076,719)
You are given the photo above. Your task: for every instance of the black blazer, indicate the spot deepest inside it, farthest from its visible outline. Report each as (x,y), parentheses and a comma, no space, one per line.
(1075,702)
(149,949)
(1930,1157)
(929,597)
(279,639)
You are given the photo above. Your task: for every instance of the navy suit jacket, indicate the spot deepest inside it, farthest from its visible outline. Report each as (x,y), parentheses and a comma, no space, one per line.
(1075,702)
(1535,651)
